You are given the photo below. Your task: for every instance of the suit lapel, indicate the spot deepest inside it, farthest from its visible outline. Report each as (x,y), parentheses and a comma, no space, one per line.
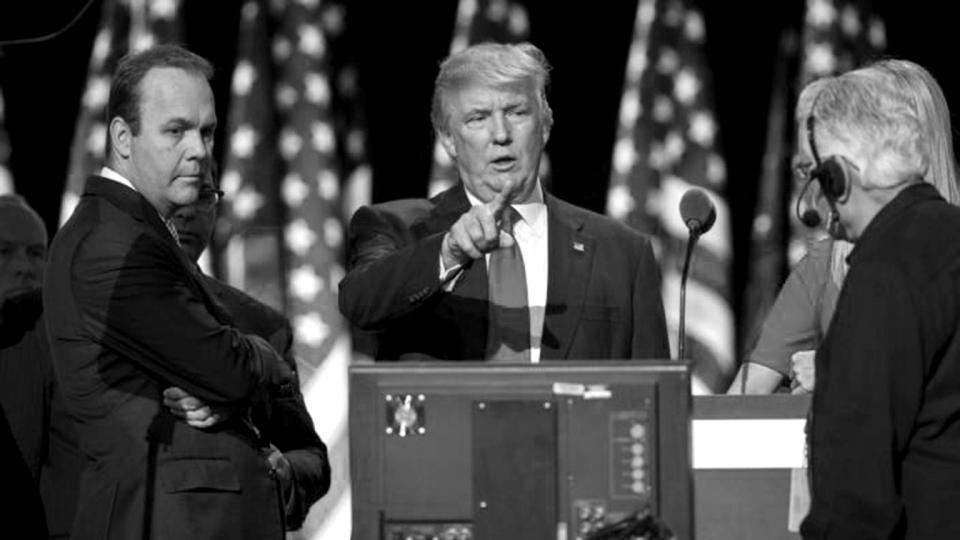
(137,207)
(468,300)
(570,261)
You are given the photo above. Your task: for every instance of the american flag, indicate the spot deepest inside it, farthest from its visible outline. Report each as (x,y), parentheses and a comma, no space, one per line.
(281,233)
(837,35)
(501,21)
(125,25)
(667,142)
(6,179)
(771,224)
(349,113)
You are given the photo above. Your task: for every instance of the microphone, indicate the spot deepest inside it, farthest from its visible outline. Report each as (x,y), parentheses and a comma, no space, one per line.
(810,218)
(699,214)
(697,211)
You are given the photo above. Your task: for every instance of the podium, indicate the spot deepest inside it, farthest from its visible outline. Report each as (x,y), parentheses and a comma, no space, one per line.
(462,450)
(458,450)
(745,449)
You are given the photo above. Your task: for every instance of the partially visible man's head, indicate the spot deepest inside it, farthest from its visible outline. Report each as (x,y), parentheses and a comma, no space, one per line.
(161,120)
(195,222)
(23,247)
(491,115)
(872,136)
(921,88)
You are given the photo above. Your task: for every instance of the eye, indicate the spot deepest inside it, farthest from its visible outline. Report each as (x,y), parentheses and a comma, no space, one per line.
(475,119)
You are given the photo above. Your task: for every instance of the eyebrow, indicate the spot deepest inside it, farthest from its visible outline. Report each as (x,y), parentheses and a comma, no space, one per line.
(180,121)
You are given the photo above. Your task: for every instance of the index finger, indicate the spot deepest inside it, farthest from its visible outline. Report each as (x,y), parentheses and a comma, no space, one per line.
(502,199)
(174,392)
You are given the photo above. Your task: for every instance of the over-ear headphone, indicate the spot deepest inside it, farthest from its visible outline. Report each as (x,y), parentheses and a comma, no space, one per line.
(829,173)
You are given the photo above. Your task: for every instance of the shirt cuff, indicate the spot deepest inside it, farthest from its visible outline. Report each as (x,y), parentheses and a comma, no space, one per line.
(449,276)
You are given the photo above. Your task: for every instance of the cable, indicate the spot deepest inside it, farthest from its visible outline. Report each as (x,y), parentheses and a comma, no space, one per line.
(52,35)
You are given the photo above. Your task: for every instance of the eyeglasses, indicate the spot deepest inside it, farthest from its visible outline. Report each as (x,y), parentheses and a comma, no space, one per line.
(801,172)
(208,198)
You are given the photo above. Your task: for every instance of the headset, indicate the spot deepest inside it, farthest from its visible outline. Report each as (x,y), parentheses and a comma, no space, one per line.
(829,172)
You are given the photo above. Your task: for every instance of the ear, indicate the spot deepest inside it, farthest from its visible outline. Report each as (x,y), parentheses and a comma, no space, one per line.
(121,136)
(446,140)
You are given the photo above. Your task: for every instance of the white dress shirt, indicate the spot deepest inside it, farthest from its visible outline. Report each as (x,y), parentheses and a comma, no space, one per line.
(531,236)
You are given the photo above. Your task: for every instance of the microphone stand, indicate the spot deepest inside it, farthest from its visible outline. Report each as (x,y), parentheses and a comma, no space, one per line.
(681,338)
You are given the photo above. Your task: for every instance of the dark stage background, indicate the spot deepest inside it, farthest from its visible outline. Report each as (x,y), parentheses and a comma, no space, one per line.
(398,46)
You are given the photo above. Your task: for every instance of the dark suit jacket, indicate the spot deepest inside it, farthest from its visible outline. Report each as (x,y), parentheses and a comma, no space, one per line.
(35,409)
(283,420)
(128,317)
(603,289)
(22,508)
(885,437)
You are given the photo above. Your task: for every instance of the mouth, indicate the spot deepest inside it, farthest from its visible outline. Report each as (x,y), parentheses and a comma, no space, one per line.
(188,237)
(503,163)
(21,289)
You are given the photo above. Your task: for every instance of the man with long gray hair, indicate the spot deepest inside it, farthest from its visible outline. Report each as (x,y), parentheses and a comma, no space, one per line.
(885,432)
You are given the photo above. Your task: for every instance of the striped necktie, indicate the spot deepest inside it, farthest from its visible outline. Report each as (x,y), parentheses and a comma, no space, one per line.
(508,337)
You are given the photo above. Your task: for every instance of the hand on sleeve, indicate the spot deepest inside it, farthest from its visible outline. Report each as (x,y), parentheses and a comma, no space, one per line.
(193,411)
(802,371)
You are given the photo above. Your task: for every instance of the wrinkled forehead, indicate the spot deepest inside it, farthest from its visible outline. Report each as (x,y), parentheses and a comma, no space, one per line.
(20,226)
(171,92)
(484,93)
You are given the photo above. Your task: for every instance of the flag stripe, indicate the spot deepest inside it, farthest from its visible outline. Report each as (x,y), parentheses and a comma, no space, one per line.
(668,142)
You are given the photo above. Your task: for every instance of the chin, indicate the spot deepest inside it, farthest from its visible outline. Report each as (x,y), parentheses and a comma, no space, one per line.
(184,195)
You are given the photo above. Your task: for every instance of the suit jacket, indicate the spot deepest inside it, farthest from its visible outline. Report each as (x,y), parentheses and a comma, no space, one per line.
(127,317)
(22,505)
(885,436)
(36,411)
(283,420)
(603,289)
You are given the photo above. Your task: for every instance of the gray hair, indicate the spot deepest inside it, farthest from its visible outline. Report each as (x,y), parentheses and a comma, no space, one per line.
(874,122)
(493,64)
(930,105)
(12,200)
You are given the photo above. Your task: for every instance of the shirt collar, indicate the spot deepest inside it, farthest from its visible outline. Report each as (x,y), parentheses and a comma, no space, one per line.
(110,174)
(532,212)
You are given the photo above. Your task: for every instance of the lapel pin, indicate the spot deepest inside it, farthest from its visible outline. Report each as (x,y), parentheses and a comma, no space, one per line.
(578,246)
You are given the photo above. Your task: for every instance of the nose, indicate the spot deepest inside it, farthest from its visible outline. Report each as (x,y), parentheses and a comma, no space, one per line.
(197,146)
(501,129)
(23,266)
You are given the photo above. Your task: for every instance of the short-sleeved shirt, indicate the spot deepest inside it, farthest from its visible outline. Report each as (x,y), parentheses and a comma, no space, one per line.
(802,311)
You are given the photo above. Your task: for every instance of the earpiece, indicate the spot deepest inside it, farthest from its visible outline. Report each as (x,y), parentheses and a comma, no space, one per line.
(829,173)
(832,179)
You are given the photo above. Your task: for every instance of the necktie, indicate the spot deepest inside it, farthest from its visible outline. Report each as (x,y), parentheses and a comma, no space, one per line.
(509,316)
(173,229)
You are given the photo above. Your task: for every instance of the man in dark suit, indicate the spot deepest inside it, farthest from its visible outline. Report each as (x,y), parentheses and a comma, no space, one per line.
(298,456)
(496,268)
(885,429)
(128,317)
(29,393)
